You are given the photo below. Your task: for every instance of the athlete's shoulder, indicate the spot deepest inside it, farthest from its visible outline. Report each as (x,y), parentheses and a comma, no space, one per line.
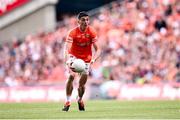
(73,29)
(73,32)
(91,29)
(92,32)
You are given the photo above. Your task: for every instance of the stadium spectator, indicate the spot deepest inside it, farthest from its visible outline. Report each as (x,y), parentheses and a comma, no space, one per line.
(135,49)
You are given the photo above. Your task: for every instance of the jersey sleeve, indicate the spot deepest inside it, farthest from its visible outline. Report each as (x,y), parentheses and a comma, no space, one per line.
(69,37)
(93,35)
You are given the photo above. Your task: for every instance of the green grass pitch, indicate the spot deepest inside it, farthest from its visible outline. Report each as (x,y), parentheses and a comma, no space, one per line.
(100,109)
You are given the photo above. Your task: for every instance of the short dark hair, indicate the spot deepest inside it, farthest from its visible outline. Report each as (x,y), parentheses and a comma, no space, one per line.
(82,14)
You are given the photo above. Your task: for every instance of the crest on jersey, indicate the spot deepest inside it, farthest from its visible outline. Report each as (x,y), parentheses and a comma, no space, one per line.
(87,35)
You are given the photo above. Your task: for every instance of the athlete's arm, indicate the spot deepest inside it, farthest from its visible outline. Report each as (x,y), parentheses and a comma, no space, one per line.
(67,45)
(96,52)
(66,49)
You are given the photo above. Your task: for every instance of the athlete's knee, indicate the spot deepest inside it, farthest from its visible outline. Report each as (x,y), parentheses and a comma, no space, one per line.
(83,79)
(84,75)
(71,78)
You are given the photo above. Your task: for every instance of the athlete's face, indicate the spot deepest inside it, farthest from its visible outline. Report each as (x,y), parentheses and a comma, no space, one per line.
(84,21)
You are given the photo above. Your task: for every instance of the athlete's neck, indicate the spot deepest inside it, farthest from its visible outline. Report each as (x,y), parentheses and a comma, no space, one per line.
(82,28)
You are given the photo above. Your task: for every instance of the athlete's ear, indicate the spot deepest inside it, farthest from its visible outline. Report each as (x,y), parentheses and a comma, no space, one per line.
(79,21)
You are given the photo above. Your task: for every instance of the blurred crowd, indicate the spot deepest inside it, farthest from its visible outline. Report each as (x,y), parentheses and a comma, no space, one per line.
(139,40)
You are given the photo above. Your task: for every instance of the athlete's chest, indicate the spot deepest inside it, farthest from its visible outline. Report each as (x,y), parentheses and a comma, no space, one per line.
(82,39)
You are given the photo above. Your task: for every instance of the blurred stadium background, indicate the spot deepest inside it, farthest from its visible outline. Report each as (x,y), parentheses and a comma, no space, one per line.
(139,39)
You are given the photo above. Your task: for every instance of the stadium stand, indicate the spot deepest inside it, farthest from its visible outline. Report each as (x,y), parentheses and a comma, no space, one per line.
(22,17)
(140,45)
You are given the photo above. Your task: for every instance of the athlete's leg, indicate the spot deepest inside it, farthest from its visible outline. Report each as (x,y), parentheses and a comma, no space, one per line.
(69,87)
(81,88)
(69,82)
(82,82)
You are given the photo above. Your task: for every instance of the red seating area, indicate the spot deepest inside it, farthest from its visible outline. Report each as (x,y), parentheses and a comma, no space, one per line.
(139,39)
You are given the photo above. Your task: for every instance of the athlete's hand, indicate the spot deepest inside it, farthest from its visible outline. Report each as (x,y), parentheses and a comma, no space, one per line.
(92,61)
(68,62)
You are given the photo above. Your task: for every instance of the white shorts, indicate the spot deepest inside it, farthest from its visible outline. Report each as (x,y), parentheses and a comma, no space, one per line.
(70,60)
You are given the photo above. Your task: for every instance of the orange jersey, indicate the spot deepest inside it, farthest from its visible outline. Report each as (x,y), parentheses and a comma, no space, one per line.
(82,43)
